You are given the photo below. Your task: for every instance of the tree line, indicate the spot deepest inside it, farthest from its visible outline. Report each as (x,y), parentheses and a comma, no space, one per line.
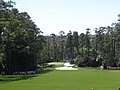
(85,50)
(22,45)
(20,40)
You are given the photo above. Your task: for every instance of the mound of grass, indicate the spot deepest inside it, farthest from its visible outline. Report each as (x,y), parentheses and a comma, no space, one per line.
(83,79)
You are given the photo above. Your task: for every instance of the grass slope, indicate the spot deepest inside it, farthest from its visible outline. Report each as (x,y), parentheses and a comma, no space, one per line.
(83,79)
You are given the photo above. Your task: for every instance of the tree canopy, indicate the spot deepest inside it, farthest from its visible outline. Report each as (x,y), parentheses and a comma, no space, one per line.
(20,39)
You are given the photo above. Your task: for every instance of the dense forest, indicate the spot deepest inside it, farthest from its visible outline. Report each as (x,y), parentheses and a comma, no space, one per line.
(23,46)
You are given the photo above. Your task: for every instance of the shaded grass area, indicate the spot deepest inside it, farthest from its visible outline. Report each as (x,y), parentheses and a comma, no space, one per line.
(9,78)
(47,68)
(83,79)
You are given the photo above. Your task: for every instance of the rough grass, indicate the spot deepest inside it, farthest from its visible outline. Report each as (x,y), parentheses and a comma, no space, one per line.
(83,79)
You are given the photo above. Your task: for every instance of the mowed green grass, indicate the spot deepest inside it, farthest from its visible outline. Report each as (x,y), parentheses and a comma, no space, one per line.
(83,79)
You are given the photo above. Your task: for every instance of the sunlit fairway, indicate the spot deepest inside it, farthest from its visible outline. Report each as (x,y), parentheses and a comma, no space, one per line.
(83,79)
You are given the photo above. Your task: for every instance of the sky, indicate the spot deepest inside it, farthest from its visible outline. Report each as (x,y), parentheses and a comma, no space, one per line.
(53,16)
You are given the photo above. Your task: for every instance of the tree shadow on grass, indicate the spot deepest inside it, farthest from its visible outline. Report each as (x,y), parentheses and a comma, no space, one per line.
(46,71)
(9,78)
(48,68)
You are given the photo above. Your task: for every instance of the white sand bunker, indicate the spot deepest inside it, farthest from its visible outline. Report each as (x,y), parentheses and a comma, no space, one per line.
(67,66)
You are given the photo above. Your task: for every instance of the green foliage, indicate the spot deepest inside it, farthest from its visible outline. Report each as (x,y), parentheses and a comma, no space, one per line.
(79,61)
(21,39)
(69,46)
